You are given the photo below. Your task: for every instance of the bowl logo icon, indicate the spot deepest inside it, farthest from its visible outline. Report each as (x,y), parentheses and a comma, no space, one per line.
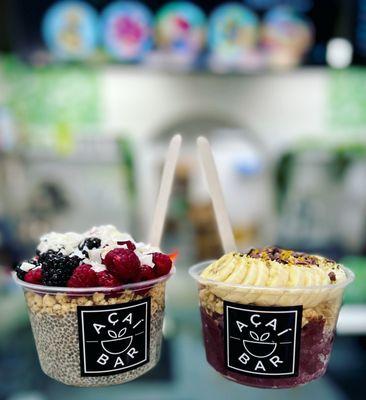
(262,341)
(258,347)
(119,342)
(114,338)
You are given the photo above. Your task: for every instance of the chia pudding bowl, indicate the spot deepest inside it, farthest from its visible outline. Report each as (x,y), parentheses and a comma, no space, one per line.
(268,336)
(103,334)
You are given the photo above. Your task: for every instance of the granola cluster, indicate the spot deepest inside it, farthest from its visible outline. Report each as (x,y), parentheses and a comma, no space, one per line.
(296,258)
(284,256)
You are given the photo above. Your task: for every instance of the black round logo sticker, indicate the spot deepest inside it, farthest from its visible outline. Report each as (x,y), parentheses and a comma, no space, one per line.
(262,341)
(114,338)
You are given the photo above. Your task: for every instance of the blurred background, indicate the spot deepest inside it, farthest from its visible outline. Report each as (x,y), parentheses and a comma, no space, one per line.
(91,92)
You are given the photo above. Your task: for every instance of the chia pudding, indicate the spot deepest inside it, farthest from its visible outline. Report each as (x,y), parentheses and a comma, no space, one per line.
(269,316)
(54,323)
(96,305)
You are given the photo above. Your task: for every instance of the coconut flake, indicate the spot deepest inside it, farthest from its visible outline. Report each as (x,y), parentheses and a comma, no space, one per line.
(26,266)
(97,267)
(78,253)
(145,259)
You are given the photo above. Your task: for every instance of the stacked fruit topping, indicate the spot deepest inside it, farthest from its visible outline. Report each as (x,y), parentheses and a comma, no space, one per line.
(101,257)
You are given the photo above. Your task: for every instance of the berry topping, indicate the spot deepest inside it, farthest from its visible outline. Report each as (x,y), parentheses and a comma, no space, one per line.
(83,276)
(57,268)
(123,263)
(34,276)
(21,272)
(128,243)
(163,264)
(43,257)
(99,257)
(90,243)
(106,279)
(146,273)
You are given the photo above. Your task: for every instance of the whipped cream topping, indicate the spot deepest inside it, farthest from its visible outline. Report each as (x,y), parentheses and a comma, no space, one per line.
(71,244)
(108,234)
(63,242)
(273,267)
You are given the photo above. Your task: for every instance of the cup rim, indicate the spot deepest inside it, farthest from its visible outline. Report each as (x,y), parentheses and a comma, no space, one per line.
(196,270)
(100,289)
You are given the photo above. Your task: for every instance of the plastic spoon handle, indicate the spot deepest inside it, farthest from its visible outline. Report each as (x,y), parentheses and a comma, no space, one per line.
(166,184)
(217,197)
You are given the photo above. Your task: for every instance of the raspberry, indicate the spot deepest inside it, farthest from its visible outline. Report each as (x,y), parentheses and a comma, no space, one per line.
(34,276)
(163,264)
(146,273)
(128,243)
(106,279)
(83,276)
(123,264)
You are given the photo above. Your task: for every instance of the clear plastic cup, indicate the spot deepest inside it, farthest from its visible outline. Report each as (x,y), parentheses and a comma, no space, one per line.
(97,336)
(268,337)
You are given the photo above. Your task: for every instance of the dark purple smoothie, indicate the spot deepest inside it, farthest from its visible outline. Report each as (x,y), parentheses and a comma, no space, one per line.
(315,347)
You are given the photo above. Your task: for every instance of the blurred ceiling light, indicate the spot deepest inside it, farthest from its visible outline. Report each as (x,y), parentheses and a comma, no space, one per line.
(339,53)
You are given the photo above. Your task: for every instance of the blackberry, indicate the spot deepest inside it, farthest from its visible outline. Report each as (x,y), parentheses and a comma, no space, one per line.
(20,273)
(90,243)
(44,257)
(57,268)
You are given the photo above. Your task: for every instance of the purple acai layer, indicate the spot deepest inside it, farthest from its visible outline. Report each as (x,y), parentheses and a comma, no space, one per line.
(315,348)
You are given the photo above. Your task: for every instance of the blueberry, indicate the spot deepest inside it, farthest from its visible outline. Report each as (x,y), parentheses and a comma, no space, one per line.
(90,243)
